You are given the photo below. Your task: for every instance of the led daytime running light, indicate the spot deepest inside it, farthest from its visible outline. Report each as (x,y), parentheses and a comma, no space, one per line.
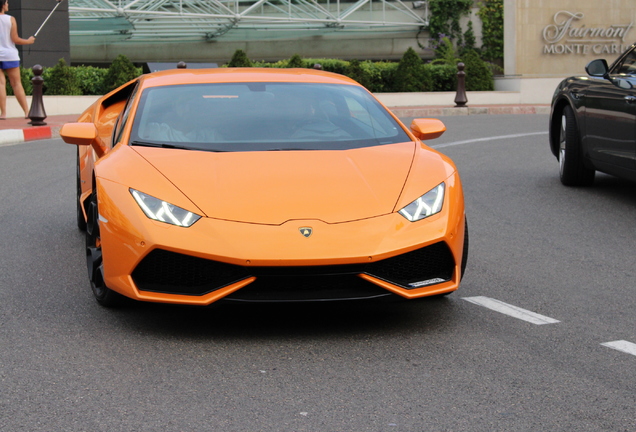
(427,205)
(163,211)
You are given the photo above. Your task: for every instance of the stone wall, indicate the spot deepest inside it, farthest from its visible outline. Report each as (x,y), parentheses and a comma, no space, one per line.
(549,38)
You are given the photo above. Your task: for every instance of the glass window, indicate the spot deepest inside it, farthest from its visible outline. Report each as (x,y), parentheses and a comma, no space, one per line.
(123,119)
(263,116)
(628,65)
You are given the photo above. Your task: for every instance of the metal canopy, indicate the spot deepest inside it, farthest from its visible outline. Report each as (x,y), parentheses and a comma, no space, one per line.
(195,20)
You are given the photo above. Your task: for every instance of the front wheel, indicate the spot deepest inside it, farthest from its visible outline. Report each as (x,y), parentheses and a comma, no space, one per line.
(465,253)
(572,170)
(463,263)
(81,222)
(94,261)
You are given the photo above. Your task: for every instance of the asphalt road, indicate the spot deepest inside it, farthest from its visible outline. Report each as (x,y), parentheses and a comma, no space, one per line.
(67,364)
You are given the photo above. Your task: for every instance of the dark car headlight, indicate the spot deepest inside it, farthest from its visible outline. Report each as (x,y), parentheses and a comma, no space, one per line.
(427,205)
(163,211)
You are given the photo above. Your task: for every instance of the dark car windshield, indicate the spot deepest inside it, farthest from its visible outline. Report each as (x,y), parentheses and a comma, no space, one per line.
(262,117)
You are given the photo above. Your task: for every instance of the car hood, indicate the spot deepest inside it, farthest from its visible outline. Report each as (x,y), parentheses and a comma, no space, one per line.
(277,186)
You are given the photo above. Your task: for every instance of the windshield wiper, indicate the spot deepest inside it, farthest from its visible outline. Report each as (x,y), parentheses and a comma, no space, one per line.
(288,149)
(173,146)
(160,145)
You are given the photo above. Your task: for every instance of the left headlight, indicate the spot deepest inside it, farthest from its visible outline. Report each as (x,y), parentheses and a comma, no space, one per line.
(163,211)
(427,205)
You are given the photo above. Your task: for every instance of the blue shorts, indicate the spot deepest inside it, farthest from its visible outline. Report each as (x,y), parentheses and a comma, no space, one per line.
(9,64)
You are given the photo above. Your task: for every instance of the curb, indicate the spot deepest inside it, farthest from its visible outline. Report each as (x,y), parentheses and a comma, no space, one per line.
(476,110)
(16,136)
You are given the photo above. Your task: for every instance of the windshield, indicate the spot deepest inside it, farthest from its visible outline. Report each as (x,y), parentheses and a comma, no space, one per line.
(262,117)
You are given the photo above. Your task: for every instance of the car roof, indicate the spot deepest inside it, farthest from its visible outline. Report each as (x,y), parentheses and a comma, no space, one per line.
(235,75)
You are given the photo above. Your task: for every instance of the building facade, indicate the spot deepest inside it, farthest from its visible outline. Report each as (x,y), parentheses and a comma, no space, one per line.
(557,38)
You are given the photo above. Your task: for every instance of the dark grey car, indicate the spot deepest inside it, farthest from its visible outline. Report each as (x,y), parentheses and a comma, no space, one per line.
(593,121)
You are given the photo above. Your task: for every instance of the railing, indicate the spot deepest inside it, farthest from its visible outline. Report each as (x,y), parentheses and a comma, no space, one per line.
(153,20)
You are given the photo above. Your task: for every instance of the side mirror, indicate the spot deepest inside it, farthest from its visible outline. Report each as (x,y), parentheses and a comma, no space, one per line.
(427,128)
(83,134)
(597,68)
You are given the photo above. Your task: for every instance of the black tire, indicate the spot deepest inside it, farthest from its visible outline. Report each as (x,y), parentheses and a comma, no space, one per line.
(572,169)
(465,253)
(81,222)
(94,262)
(463,264)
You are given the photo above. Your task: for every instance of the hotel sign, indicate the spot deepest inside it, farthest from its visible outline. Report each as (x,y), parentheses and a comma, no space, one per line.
(568,35)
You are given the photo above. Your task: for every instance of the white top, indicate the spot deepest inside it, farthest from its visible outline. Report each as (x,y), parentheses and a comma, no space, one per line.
(8,51)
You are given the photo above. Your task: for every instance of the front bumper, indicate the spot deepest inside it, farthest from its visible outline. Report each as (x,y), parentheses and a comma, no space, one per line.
(215,259)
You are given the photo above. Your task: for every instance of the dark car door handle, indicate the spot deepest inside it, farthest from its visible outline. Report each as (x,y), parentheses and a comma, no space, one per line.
(577,95)
(630,99)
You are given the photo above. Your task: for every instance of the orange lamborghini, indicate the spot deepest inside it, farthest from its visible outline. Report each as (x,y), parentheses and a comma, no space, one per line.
(262,185)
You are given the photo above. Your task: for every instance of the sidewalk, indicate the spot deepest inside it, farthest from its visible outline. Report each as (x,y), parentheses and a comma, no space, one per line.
(18,130)
(446,110)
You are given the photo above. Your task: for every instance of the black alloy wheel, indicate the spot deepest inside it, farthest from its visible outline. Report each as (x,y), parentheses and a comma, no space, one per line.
(94,262)
(462,266)
(465,253)
(81,222)
(572,169)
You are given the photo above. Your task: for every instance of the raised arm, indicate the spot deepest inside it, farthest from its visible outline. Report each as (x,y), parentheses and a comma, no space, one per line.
(17,39)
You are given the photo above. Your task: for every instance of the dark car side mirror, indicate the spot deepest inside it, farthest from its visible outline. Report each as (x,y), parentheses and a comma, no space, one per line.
(597,68)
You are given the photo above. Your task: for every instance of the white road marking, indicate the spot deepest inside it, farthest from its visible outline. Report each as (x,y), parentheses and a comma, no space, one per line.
(621,345)
(500,137)
(511,310)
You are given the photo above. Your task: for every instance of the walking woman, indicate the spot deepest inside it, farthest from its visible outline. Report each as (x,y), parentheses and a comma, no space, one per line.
(10,60)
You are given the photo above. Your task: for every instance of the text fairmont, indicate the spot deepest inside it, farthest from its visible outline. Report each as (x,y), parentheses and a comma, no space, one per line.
(564,36)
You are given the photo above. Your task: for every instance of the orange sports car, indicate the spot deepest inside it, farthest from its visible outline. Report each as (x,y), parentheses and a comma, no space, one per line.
(262,185)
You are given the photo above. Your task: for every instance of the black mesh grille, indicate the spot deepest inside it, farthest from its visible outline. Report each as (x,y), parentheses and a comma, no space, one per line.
(169,272)
(428,263)
(296,288)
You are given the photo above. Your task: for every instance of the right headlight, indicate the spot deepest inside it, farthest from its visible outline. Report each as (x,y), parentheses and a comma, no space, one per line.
(427,205)
(163,211)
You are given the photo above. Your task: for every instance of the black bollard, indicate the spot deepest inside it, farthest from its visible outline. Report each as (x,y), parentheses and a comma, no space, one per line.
(37,113)
(460,97)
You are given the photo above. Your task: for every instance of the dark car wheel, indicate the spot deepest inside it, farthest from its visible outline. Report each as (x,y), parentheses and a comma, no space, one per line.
(94,262)
(463,264)
(465,254)
(81,222)
(571,168)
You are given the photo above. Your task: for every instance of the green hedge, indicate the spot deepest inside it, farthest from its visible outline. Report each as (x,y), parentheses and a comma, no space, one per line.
(410,74)
(62,79)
